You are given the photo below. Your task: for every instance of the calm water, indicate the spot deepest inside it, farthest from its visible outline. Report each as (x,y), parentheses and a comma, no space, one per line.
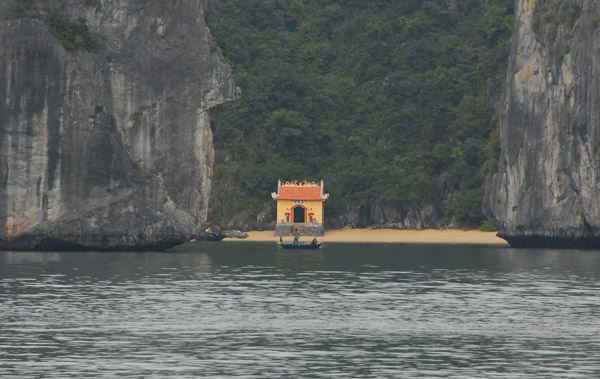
(251,310)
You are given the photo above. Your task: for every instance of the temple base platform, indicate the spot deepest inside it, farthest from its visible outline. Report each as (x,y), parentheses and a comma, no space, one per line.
(299,229)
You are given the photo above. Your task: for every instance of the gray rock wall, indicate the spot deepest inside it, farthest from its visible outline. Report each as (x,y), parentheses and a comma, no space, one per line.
(545,192)
(112,148)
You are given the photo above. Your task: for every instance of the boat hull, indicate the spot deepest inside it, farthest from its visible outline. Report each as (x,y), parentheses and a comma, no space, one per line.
(300,245)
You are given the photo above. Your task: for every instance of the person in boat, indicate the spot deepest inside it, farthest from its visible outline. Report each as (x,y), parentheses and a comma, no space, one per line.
(314,241)
(295,239)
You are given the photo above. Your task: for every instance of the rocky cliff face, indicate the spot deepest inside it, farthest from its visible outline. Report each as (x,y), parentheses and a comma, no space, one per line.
(546,191)
(105,122)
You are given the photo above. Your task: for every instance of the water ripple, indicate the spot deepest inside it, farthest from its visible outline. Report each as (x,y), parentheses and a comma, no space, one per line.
(225,314)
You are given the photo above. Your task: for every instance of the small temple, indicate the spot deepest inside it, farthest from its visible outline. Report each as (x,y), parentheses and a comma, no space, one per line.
(299,208)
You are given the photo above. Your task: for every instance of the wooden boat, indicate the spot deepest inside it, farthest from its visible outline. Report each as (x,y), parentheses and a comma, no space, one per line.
(214,237)
(210,236)
(290,245)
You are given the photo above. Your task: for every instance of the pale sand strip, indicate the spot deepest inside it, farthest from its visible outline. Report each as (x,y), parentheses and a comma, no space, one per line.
(457,236)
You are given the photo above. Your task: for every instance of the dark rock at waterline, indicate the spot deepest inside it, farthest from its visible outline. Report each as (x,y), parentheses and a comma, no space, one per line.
(89,243)
(538,242)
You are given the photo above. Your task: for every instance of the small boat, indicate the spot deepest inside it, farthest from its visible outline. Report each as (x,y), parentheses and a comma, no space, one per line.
(210,236)
(214,237)
(290,245)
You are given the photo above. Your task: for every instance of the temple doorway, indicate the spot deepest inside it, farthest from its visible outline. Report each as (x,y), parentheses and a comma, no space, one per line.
(299,214)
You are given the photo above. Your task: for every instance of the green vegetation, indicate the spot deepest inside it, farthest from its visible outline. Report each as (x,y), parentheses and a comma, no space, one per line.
(93,3)
(386,100)
(487,226)
(74,35)
(548,15)
(27,8)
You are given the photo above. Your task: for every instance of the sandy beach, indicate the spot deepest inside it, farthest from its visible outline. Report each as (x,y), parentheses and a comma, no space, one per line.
(457,236)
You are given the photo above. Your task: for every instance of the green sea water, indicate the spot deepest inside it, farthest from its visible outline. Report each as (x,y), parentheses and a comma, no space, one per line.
(346,310)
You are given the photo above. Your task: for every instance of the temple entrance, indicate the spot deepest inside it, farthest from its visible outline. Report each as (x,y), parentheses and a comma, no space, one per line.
(299,214)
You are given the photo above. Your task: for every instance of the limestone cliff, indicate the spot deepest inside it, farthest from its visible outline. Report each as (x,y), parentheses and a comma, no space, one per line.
(545,192)
(105,122)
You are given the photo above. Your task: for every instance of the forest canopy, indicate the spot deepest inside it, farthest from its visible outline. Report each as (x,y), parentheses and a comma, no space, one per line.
(389,101)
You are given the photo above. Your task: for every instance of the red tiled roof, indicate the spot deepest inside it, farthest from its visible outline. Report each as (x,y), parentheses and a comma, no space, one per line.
(299,193)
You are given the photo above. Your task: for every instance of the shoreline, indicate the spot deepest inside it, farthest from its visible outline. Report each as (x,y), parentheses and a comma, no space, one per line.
(429,236)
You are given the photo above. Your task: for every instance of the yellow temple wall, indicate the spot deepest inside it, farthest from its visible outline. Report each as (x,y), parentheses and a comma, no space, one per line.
(316,205)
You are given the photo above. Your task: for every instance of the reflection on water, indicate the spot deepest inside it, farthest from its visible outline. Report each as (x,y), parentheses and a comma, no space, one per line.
(251,309)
